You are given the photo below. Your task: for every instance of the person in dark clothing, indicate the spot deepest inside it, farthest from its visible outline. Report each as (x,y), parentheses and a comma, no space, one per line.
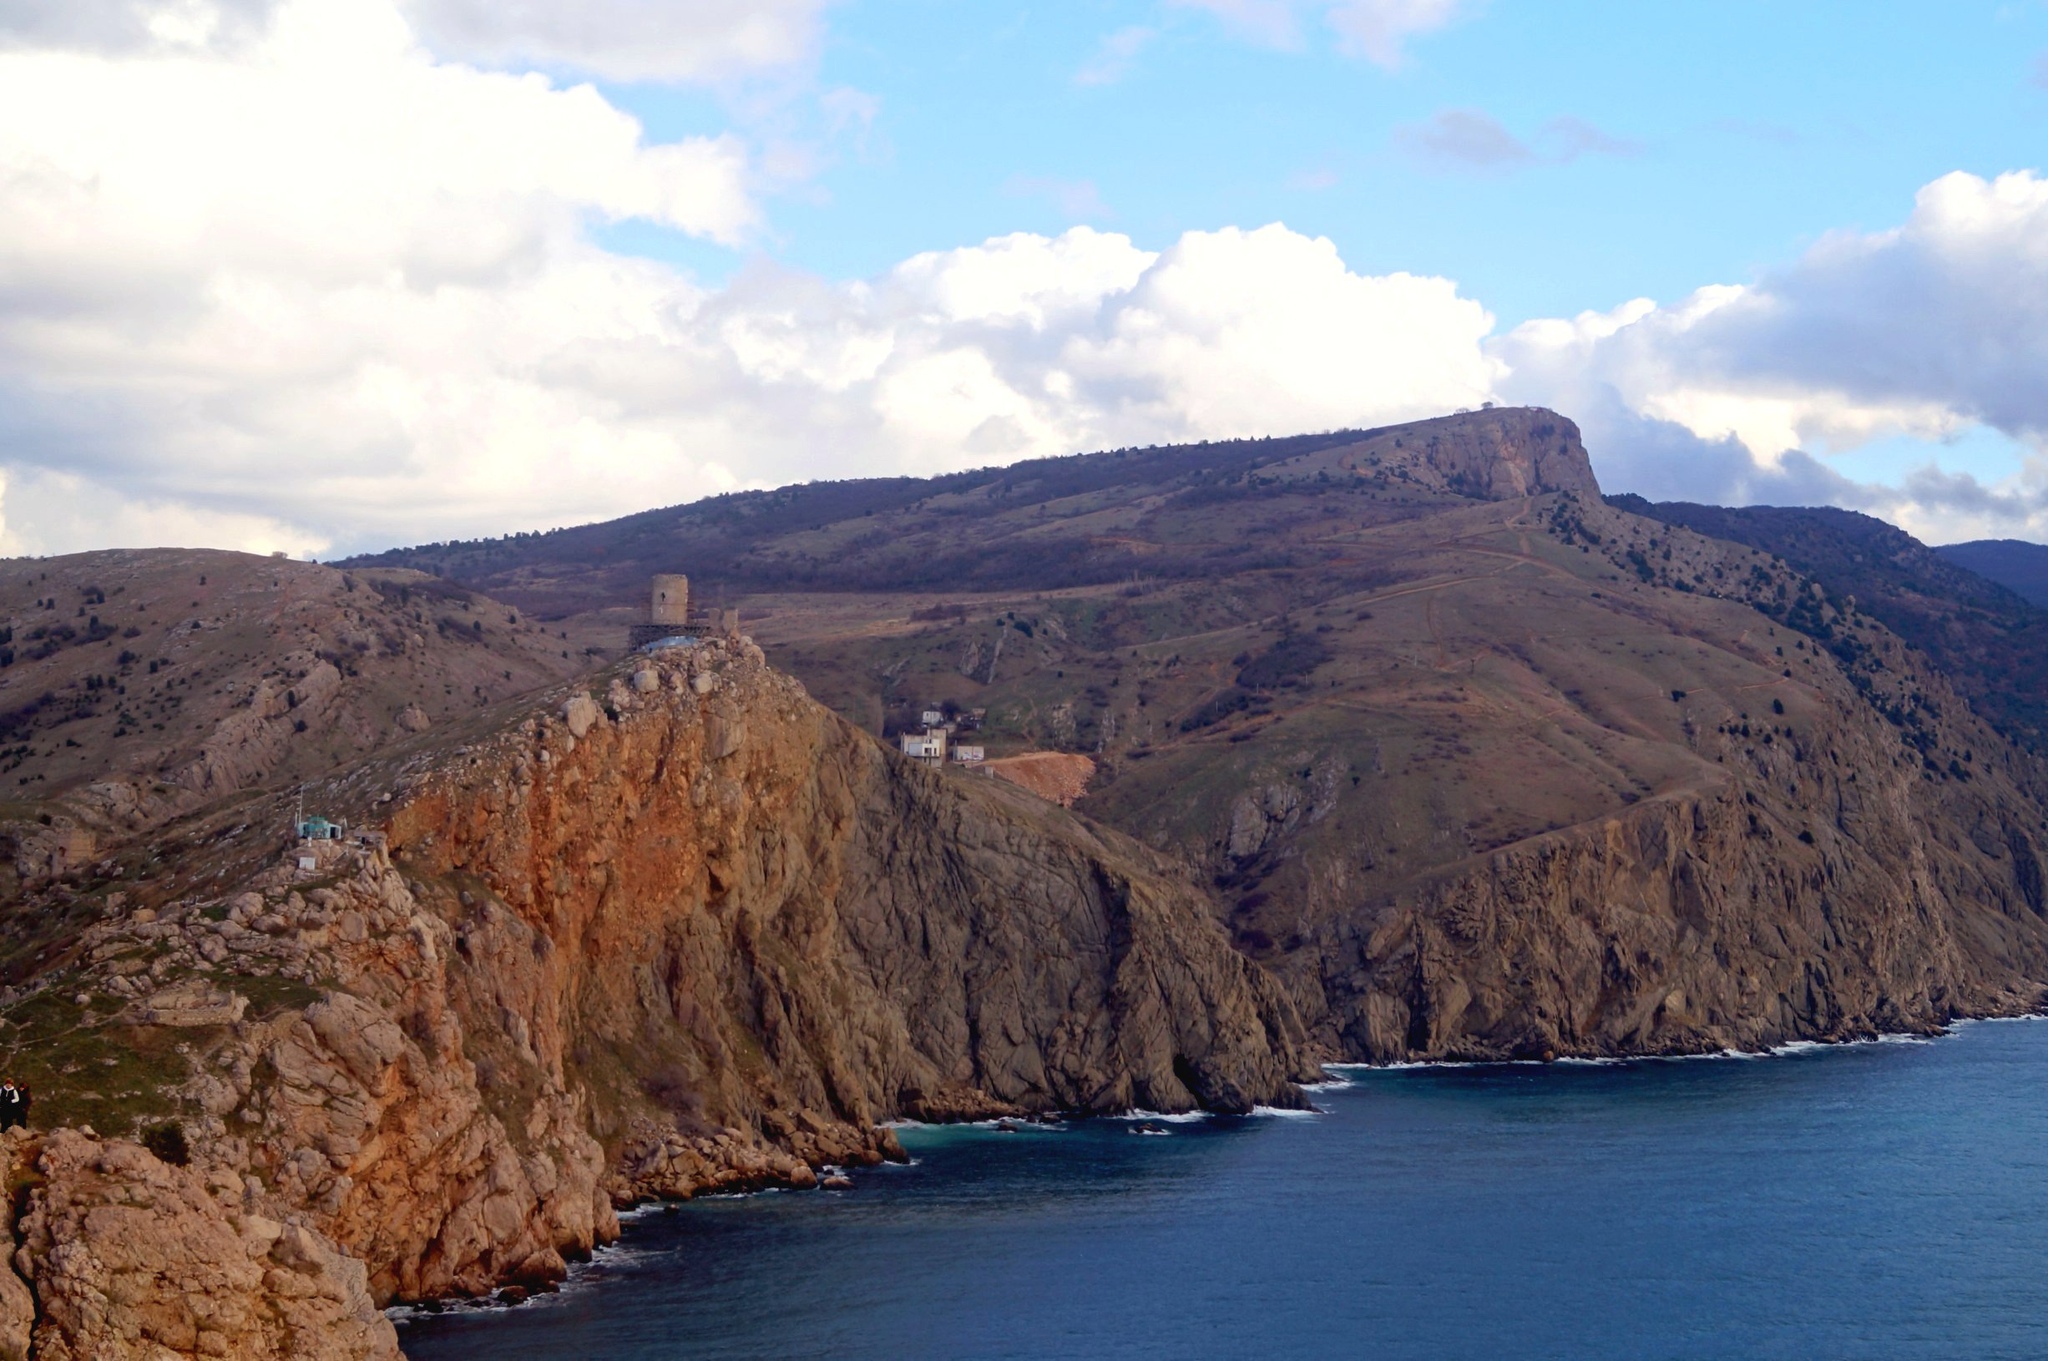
(21,1090)
(13,1106)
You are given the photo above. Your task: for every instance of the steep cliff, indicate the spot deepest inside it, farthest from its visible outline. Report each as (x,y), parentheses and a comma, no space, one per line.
(1695,922)
(1664,797)
(691,932)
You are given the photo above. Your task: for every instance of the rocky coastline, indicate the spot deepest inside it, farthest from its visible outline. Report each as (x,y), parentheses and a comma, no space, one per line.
(679,928)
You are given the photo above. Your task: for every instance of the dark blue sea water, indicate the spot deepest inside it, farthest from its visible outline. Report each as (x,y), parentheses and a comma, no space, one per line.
(1879,1200)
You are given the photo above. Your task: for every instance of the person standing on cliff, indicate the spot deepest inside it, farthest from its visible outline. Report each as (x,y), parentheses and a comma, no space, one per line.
(13,1109)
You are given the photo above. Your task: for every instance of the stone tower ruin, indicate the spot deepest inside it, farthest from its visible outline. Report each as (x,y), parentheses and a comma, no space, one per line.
(668,613)
(669,600)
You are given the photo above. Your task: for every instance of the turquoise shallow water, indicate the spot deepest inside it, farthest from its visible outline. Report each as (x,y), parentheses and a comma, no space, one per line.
(1872,1201)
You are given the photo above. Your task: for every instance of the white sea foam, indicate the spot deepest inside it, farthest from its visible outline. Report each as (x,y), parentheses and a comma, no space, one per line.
(603,1260)
(1789,1049)
(1995,1020)
(1280,1113)
(1008,1123)
(1178,1118)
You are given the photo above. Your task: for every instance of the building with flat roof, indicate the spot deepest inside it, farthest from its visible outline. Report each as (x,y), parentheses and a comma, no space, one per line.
(929,747)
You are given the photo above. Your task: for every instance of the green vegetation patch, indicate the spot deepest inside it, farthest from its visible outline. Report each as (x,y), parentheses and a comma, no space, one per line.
(34,937)
(1293,656)
(270,994)
(88,1070)
(1231,701)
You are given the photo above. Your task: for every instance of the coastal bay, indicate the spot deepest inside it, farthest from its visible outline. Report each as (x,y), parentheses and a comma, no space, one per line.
(1877,1200)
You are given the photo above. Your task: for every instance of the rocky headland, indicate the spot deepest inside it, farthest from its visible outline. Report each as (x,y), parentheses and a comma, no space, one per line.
(685,929)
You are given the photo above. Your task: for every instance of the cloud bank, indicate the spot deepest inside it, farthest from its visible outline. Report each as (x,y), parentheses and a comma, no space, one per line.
(330,289)
(1927,330)
(288,274)
(1474,140)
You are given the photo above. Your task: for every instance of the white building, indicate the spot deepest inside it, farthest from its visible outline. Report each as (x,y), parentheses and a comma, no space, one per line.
(933,718)
(929,747)
(968,756)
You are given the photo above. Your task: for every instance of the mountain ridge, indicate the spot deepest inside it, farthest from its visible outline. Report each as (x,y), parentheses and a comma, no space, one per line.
(2016,564)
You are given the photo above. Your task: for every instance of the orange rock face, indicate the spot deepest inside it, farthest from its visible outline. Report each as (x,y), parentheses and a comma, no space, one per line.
(1059,776)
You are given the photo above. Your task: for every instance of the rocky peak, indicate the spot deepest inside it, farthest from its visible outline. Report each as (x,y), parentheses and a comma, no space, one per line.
(1494,454)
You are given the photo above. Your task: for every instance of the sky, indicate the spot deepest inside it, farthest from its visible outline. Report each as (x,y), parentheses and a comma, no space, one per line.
(328,276)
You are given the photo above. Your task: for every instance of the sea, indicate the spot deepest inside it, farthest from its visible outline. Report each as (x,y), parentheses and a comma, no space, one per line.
(1886,1199)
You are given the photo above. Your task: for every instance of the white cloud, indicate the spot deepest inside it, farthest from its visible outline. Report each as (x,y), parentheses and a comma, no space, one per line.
(700,41)
(283,277)
(1248,332)
(1114,56)
(1028,345)
(1925,331)
(705,41)
(320,288)
(1077,200)
(47,512)
(321,276)
(1472,139)
(1373,29)
(115,26)
(324,289)
(454,357)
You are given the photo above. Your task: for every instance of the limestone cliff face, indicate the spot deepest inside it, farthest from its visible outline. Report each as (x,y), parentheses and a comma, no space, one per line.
(691,932)
(1678,928)
(1865,859)
(743,892)
(1498,454)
